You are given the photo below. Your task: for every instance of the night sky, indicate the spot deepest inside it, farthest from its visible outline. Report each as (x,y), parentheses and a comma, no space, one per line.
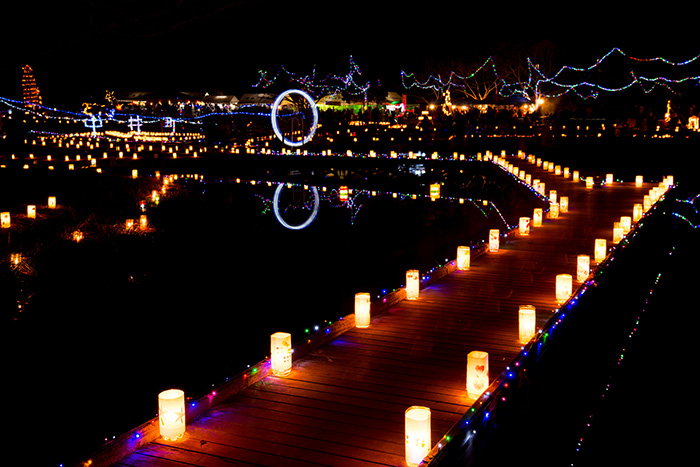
(82,48)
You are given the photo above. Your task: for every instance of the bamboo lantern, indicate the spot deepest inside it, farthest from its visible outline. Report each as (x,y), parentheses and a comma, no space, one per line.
(281,353)
(31,211)
(171,413)
(617,232)
(626,224)
(583,267)
(601,248)
(526,323)
(639,180)
(412,284)
(434,191)
(637,212)
(5,220)
(564,287)
(477,373)
(525,226)
(563,204)
(493,240)
(52,202)
(417,430)
(553,210)
(362,305)
(463,258)
(537,217)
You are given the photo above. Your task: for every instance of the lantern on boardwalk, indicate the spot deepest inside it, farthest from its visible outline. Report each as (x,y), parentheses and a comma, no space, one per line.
(637,212)
(608,179)
(639,180)
(589,182)
(412,284)
(493,240)
(526,323)
(134,173)
(31,211)
(647,203)
(434,191)
(537,217)
(524,226)
(563,204)
(477,373)
(463,258)
(143,221)
(52,202)
(362,305)
(171,414)
(617,232)
(281,353)
(626,224)
(564,287)
(552,196)
(5,220)
(553,210)
(601,247)
(583,267)
(417,430)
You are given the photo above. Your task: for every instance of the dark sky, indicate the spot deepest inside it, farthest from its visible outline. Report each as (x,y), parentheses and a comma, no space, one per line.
(82,47)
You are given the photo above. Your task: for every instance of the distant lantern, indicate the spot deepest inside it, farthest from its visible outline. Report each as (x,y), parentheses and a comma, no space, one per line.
(477,373)
(563,287)
(601,248)
(637,212)
(143,221)
(134,173)
(52,202)
(463,258)
(5,220)
(31,211)
(618,232)
(362,306)
(129,224)
(281,353)
(524,226)
(563,204)
(412,284)
(493,240)
(639,180)
(417,433)
(77,236)
(343,194)
(647,203)
(583,267)
(171,414)
(608,179)
(589,182)
(553,196)
(434,191)
(553,210)
(626,224)
(566,172)
(575,175)
(526,323)
(537,217)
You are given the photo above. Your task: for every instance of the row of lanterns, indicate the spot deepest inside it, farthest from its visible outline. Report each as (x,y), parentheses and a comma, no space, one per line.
(5,219)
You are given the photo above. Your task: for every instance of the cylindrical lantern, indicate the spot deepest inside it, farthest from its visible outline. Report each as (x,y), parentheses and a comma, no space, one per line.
(637,212)
(647,203)
(281,353)
(564,287)
(52,202)
(412,284)
(5,220)
(417,421)
(553,210)
(434,191)
(493,240)
(563,204)
(537,217)
(552,196)
(143,221)
(575,175)
(626,224)
(608,179)
(343,194)
(463,258)
(171,413)
(362,304)
(524,226)
(617,232)
(601,249)
(527,323)
(589,182)
(583,267)
(639,180)
(477,373)
(31,211)
(134,173)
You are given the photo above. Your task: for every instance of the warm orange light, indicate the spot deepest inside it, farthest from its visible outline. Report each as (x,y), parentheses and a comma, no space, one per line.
(417,434)
(412,284)
(343,194)
(52,202)
(281,353)
(583,267)
(526,323)
(31,211)
(639,180)
(171,414)
(494,243)
(143,221)
(434,191)
(5,220)
(524,226)
(362,309)
(463,258)
(637,212)
(563,287)
(601,250)
(537,217)
(563,204)
(477,373)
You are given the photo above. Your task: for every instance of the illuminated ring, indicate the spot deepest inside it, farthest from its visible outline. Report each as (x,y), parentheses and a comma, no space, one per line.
(275,206)
(273,116)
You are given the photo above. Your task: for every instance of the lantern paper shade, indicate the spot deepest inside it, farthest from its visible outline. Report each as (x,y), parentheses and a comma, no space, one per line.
(463,258)
(563,204)
(171,414)
(281,353)
(601,248)
(526,323)
(5,220)
(417,430)
(553,210)
(589,182)
(637,212)
(639,180)
(477,373)
(583,267)
(617,232)
(626,223)
(412,284)
(537,217)
(434,191)
(493,240)
(31,211)
(362,305)
(52,202)
(524,226)
(563,287)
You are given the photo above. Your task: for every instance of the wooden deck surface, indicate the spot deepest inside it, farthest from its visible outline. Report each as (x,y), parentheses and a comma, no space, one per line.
(344,403)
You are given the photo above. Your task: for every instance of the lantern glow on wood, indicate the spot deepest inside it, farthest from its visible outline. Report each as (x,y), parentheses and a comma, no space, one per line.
(362,305)
(463,258)
(537,217)
(601,247)
(171,413)
(583,267)
(417,430)
(563,287)
(5,220)
(493,240)
(524,226)
(281,353)
(477,373)
(412,284)
(526,323)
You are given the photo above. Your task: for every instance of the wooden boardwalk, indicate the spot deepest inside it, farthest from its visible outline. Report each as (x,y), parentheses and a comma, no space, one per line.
(343,403)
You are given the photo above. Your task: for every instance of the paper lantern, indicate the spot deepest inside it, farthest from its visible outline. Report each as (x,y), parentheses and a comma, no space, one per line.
(637,212)
(563,204)
(171,413)
(575,175)
(134,173)
(463,258)
(639,180)
(552,196)
(412,284)
(563,287)
(434,191)
(417,430)
(600,251)
(31,211)
(583,267)
(5,220)
(362,305)
(553,210)
(589,182)
(526,323)
(52,202)
(646,203)
(626,224)
(281,353)
(524,226)
(608,179)
(537,217)
(143,221)
(493,240)
(617,232)
(477,373)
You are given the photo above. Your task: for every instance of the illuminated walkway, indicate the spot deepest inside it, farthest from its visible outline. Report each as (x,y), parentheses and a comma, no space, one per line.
(344,402)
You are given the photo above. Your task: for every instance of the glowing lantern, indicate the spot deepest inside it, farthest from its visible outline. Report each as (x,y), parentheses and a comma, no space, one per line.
(52,202)
(524,226)
(362,305)
(637,212)
(171,413)
(608,179)
(77,236)
(134,173)
(639,180)
(5,220)
(129,224)
(143,221)
(477,373)
(601,248)
(434,191)
(589,182)
(647,203)
(31,211)
(564,204)
(537,217)
(564,287)
(281,353)
(583,267)
(417,430)
(526,323)
(463,258)
(617,232)
(493,240)
(553,196)
(343,194)
(575,175)
(553,210)
(626,224)
(412,284)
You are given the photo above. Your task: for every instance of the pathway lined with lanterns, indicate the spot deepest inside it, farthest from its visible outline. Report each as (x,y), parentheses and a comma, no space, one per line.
(344,401)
